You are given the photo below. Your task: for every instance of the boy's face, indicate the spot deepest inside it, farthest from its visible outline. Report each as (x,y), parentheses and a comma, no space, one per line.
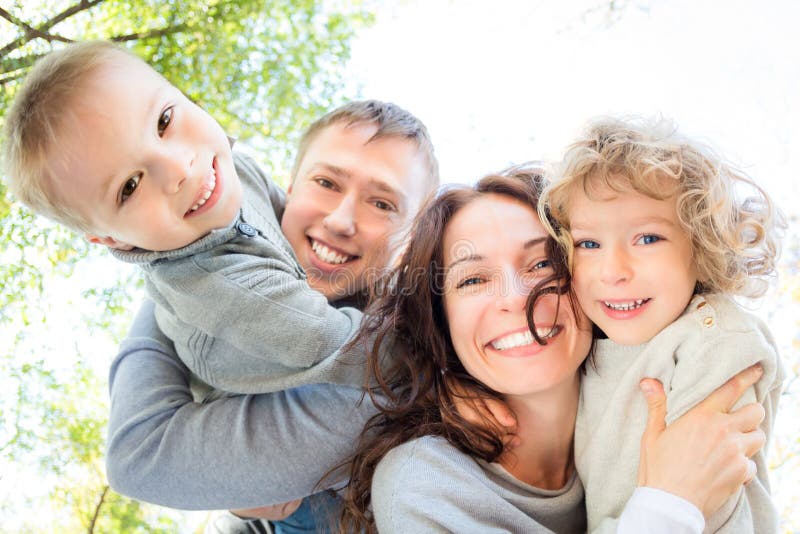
(145,166)
(350,203)
(633,269)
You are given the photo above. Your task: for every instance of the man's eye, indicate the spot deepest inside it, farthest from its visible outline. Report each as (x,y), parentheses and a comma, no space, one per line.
(129,187)
(324,182)
(544,264)
(163,120)
(587,243)
(648,239)
(383,205)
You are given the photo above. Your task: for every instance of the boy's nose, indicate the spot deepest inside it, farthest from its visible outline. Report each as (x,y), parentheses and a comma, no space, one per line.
(616,267)
(342,220)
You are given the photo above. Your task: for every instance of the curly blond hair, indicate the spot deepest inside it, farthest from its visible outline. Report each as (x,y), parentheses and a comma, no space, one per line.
(731,221)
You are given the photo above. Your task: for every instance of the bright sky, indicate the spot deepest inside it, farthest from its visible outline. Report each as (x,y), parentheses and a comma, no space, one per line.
(509,81)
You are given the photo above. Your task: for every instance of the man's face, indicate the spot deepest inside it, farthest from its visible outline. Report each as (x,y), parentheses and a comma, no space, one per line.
(350,204)
(145,166)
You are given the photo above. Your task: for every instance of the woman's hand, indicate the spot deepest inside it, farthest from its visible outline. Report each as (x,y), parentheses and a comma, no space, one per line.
(703,456)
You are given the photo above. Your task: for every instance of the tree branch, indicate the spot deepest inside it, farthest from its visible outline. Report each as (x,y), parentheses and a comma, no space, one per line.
(152,33)
(70,11)
(97,509)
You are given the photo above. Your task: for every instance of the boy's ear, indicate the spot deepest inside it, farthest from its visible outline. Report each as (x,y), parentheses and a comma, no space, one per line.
(108,241)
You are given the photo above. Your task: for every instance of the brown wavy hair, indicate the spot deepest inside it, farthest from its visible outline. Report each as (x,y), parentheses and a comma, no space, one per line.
(416,392)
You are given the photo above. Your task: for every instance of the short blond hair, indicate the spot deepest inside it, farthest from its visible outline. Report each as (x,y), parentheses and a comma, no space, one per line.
(36,119)
(391,121)
(731,221)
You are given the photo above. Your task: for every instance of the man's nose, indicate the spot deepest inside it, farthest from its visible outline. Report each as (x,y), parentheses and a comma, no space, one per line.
(342,220)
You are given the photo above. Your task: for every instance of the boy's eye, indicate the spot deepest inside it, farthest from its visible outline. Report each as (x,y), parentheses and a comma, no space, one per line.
(129,187)
(163,120)
(587,243)
(648,239)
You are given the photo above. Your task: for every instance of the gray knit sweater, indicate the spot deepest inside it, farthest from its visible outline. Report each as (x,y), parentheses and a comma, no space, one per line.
(238,308)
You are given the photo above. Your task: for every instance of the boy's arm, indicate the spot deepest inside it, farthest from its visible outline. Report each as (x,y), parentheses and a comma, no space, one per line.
(238,452)
(734,342)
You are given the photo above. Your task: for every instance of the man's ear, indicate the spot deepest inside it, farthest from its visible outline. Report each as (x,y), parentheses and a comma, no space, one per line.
(108,241)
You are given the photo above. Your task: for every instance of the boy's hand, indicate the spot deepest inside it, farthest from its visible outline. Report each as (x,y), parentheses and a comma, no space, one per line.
(703,456)
(483,411)
(275,512)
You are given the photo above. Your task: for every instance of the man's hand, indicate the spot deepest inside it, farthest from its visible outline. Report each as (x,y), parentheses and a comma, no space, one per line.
(703,456)
(275,512)
(483,411)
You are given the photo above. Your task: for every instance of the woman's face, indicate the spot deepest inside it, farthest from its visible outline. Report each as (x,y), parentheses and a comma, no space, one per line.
(494,253)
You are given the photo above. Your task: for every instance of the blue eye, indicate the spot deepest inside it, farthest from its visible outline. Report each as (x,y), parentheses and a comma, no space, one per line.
(587,243)
(648,239)
(541,265)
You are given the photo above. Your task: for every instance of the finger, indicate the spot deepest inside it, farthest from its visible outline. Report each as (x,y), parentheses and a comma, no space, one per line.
(752,442)
(502,414)
(752,469)
(656,407)
(748,417)
(723,399)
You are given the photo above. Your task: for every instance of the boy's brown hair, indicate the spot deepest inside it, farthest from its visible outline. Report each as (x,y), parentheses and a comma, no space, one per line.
(34,122)
(391,120)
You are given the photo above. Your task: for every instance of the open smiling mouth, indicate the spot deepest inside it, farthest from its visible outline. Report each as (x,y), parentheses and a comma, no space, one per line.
(329,255)
(205,192)
(520,339)
(626,306)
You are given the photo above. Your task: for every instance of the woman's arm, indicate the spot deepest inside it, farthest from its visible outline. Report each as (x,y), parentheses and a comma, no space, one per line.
(238,452)
(692,467)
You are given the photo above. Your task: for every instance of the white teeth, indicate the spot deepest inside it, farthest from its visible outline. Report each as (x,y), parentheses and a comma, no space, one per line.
(212,185)
(520,339)
(327,255)
(625,306)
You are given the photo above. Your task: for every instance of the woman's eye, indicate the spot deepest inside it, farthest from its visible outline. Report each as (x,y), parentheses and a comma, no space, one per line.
(471,281)
(648,239)
(587,243)
(544,264)
(163,120)
(129,187)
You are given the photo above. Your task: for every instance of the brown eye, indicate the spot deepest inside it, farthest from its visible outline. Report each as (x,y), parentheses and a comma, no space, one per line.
(129,187)
(163,121)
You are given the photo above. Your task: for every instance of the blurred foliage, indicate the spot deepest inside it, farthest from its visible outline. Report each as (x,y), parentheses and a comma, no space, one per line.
(264,70)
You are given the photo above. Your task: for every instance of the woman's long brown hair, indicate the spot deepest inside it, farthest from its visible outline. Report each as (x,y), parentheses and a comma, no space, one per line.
(415,392)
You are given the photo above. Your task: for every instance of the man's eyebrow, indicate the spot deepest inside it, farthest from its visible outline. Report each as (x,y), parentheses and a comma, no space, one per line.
(533,242)
(374,182)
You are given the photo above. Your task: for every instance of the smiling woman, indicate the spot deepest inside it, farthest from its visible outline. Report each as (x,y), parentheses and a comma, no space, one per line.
(481,301)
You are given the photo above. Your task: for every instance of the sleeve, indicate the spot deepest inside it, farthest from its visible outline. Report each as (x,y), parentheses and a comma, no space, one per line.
(733,341)
(652,511)
(237,452)
(247,323)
